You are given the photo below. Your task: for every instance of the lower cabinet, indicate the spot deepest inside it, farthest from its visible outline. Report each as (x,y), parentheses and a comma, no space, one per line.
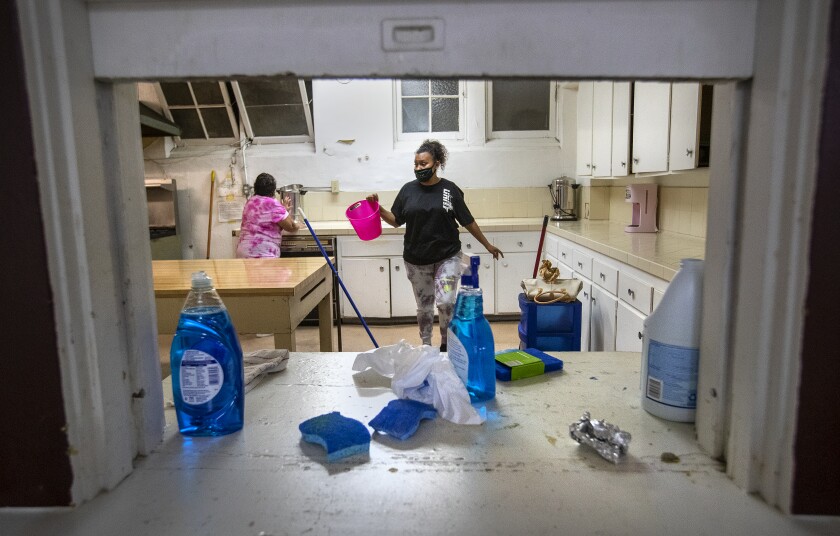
(368,280)
(585,298)
(629,328)
(402,294)
(510,271)
(602,321)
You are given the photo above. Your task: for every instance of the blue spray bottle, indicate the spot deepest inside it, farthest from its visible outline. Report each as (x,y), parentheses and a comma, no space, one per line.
(470,340)
(207,371)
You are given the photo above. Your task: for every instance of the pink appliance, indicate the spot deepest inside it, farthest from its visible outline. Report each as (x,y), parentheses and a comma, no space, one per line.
(643,197)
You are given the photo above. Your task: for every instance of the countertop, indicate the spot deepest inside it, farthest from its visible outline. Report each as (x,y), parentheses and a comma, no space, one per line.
(658,254)
(518,473)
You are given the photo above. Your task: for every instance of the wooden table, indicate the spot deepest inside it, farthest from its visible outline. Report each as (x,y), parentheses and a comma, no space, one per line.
(262,295)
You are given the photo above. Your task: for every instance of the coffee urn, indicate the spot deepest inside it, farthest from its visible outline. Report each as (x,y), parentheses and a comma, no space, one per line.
(563,194)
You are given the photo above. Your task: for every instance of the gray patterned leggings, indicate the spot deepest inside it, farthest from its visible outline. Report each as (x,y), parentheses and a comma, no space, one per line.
(434,282)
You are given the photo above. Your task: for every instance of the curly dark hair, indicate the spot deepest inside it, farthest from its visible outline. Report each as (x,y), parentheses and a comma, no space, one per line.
(265,185)
(436,149)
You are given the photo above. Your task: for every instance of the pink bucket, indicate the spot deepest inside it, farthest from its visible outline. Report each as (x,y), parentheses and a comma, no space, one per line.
(364,216)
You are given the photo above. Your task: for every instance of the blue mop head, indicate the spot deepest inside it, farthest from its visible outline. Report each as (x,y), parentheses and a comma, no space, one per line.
(341,436)
(401,418)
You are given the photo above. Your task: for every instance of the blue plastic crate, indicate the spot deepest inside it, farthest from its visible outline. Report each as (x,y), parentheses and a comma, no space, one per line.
(553,326)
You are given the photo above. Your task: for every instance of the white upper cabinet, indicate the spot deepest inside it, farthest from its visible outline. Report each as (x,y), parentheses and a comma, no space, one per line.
(651,118)
(603,129)
(621,129)
(602,107)
(685,119)
(585,98)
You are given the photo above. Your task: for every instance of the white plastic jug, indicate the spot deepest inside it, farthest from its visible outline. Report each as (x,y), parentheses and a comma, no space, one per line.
(671,348)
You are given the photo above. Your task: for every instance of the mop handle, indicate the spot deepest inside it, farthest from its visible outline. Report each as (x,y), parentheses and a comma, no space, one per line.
(539,249)
(340,282)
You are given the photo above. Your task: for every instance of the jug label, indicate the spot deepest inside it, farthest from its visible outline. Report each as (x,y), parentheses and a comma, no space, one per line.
(672,375)
(458,355)
(201,377)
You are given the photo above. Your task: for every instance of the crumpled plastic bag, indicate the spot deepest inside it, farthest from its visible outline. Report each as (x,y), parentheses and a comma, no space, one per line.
(422,373)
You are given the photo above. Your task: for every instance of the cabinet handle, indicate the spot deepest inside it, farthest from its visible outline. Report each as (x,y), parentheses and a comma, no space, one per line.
(587,165)
(563,255)
(635,160)
(504,264)
(689,152)
(381,268)
(397,268)
(640,335)
(593,301)
(469,246)
(519,244)
(603,276)
(593,166)
(624,164)
(631,293)
(585,295)
(580,265)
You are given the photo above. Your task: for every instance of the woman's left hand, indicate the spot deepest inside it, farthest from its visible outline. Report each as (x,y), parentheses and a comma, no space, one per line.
(496,252)
(287,202)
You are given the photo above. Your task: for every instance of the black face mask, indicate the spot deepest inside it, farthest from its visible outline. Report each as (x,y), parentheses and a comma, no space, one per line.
(424,174)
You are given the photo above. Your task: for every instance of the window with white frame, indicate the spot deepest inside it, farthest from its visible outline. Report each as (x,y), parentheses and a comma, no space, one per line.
(429,108)
(202,110)
(276,110)
(521,109)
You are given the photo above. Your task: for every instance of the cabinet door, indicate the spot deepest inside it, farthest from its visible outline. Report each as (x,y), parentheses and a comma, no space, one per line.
(487,282)
(602,98)
(510,271)
(628,330)
(585,298)
(621,129)
(402,295)
(602,321)
(685,113)
(651,115)
(368,282)
(584,128)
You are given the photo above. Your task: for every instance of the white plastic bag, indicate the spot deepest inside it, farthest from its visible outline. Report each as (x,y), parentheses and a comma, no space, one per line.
(422,373)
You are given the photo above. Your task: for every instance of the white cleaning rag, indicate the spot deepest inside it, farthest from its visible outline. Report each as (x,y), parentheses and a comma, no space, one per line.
(422,373)
(255,364)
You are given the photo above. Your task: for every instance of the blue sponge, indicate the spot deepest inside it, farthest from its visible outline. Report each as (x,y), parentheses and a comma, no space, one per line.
(401,418)
(341,436)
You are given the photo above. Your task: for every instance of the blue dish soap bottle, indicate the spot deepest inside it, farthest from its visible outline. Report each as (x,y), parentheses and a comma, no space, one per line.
(206,358)
(470,340)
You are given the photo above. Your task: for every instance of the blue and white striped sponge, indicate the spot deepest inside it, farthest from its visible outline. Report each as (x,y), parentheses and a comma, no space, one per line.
(341,436)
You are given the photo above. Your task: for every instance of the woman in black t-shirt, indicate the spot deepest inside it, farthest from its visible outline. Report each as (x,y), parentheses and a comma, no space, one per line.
(432,208)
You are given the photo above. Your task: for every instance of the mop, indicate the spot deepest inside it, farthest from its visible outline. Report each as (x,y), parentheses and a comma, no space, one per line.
(340,282)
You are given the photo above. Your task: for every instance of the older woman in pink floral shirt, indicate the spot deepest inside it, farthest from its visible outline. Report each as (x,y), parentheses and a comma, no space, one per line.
(263,220)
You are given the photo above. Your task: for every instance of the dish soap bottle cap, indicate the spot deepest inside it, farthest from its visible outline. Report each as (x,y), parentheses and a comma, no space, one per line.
(201,281)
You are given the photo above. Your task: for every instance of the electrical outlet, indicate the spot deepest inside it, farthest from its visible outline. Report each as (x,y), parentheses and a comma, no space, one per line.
(334,186)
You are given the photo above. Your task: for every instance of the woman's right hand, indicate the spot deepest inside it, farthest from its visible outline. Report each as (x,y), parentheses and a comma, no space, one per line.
(373,198)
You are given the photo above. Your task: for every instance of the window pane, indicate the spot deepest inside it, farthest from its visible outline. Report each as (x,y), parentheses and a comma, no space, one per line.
(521,105)
(413,88)
(278,120)
(217,122)
(445,115)
(189,122)
(444,87)
(177,94)
(270,91)
(415,115)
(208,93)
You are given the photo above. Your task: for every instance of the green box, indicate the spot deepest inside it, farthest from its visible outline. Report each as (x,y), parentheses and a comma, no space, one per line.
(521,364)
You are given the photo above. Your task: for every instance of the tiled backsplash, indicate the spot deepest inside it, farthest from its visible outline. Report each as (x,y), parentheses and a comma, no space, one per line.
(681,209)
(482,202)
